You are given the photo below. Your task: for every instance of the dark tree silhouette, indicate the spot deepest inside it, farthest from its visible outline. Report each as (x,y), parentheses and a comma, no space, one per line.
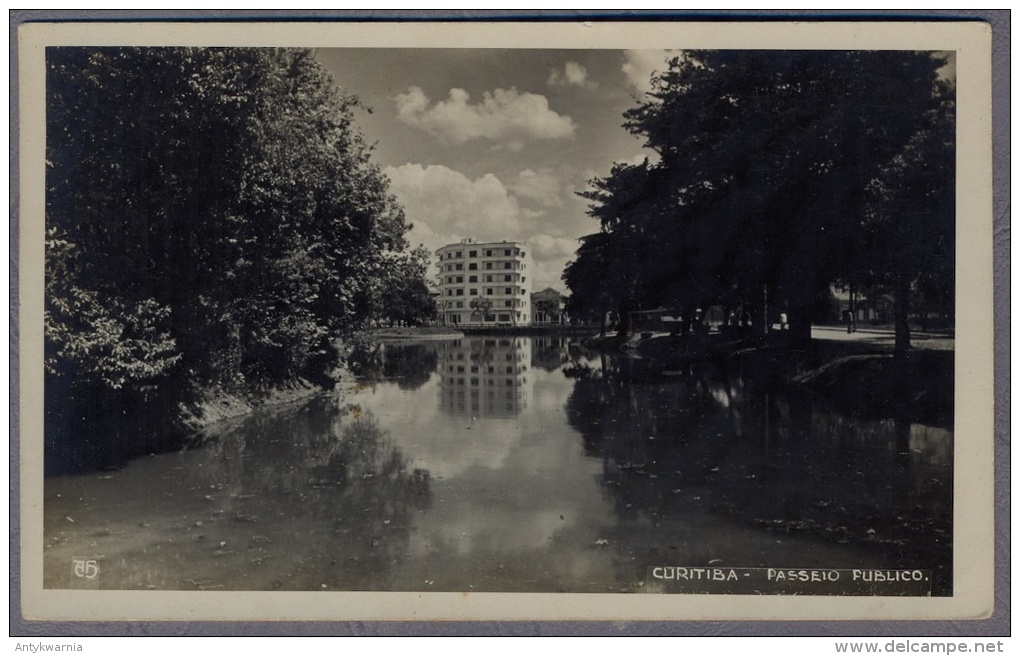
(770,180)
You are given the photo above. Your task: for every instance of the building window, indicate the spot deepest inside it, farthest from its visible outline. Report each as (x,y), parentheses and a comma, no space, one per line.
(473,266)
(460,254)
(460,292)
(508,303)
(506,265)
(523,253)
(472,278)
(508,278)
(488,278)
(460,267)
(474,292)
(460,305)
(524,279)
(460,279)
(488,265)
(488,291)
(509,290)
(488,253)
(449,292)
(504,317)
(472,253)
(506,252)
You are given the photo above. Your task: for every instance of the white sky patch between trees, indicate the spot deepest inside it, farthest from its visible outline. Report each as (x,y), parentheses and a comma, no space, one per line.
(496,143)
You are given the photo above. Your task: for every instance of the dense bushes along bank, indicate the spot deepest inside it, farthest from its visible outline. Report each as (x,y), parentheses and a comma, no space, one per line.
(213,222)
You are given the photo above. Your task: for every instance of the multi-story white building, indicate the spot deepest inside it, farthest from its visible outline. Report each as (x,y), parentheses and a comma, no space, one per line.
(485,283)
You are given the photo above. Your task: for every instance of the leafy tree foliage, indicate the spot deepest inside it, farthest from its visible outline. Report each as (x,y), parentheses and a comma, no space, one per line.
(481,308)
(909,224)
(213,219)
(591,279)
(772,170)
(402,295)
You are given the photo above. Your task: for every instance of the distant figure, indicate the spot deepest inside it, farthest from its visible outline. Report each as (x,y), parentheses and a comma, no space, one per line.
(848,319)
(746,324)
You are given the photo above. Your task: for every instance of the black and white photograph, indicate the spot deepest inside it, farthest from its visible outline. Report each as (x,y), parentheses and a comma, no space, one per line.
(667,325)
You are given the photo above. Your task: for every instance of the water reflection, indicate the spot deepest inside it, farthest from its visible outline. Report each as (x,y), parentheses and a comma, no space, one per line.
(408,365)
(550,352)
(314,498)
(713,439)
(486,377)
(513,463)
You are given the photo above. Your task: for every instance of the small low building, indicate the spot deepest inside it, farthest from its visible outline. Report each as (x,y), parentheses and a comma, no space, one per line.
(866,309)
(548,307)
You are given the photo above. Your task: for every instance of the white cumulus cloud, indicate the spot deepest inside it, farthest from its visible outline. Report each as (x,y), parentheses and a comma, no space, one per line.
(547,247)
(640,65)
(542,187)
(572,74)
(445,205)
(504,116)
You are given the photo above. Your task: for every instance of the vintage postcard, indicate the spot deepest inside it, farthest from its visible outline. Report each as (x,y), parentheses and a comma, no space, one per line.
(514,321)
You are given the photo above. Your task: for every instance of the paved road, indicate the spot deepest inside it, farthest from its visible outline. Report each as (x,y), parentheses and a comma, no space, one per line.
(881,336)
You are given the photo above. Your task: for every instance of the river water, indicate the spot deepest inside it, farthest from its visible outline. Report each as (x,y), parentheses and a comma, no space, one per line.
(513,464)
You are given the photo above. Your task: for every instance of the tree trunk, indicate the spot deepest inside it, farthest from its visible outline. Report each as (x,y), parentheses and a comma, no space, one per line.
(623,319)
(901,315)
(800,316)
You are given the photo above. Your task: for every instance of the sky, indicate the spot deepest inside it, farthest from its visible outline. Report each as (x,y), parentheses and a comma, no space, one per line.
(495,144)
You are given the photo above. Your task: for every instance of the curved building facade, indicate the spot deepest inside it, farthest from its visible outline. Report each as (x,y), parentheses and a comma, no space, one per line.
(485,283)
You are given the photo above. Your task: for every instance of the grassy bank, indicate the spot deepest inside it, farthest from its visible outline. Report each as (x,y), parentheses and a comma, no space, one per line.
(219,405)
(529,330)
(414,332)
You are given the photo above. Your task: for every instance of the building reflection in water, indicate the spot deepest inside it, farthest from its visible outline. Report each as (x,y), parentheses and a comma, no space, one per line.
(549,352)
(483,377)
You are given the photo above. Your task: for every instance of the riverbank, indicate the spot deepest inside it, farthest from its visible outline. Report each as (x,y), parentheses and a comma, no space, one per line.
(414,332)
(861,378)
(220,405)
(530,330)
(446,332)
